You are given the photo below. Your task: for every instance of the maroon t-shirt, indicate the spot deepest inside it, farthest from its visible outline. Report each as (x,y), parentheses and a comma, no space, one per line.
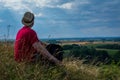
(23,50)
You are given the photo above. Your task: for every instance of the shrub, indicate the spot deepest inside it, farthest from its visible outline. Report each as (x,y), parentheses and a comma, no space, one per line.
(116,57)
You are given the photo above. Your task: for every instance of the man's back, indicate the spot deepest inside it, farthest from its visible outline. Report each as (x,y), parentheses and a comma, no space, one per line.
(27,43)
(23,44)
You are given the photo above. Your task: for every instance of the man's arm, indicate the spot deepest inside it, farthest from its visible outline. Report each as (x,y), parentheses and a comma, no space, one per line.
(43,51)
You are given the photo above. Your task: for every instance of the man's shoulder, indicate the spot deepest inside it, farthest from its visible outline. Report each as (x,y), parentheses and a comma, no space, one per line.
(28,30)
(32,31)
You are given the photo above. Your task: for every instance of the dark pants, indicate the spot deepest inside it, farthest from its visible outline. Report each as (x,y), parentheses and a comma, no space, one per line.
(54,49)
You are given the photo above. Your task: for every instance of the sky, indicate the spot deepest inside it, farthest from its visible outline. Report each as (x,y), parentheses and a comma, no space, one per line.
(62,18)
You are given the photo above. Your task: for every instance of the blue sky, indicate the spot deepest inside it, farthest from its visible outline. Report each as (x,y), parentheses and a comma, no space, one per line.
(62,18)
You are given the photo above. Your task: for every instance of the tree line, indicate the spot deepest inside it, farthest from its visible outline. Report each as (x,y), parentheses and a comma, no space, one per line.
(90,54)
(109,46)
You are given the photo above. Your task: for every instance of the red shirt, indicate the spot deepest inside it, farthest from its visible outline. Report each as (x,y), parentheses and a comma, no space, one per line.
(23,50)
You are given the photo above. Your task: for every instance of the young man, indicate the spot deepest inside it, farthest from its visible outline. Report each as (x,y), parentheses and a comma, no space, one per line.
(27,43)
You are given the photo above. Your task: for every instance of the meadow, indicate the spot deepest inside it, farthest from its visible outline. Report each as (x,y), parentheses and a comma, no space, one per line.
(73,69)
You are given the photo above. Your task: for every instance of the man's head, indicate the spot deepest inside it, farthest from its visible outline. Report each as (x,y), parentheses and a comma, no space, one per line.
(28,19)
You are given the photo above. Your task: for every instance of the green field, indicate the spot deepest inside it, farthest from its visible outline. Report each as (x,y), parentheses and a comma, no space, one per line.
(93,45)
(73,69)
(111,52)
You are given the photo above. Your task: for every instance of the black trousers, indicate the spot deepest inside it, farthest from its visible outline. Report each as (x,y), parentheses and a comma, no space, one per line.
(54,49)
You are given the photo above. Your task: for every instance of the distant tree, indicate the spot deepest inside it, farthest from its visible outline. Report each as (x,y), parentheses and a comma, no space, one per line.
(67,47)
(53,41)
(89,54)
(75,53)
(109,46)
(116,57)
(71,50)
(102,56)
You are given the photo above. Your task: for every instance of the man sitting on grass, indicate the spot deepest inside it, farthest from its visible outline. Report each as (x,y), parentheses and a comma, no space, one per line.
(28,47)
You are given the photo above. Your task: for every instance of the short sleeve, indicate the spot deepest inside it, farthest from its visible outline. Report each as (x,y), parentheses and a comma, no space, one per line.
(33,37)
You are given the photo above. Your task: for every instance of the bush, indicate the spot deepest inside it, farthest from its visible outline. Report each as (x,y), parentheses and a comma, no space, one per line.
(116,57)
(102,56)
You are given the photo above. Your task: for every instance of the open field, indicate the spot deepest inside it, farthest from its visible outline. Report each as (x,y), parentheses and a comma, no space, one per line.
(88,42)
(73,42)
(94,44)
(73,69)
(110,51)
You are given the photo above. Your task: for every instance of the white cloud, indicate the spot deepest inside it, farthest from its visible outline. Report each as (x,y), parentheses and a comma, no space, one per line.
(28,4)
(81,2)
(45,3)
(20,6)
(38,6)
(31,5)
(73,4)
(59,22)
(15,5)
(94,20)
(39,15)
(68,5)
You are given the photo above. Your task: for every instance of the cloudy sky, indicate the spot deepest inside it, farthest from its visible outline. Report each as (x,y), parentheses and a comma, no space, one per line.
(62,18)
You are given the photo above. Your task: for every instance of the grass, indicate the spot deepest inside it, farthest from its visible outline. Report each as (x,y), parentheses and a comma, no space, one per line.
(110,51)
(73,69)
(94,45)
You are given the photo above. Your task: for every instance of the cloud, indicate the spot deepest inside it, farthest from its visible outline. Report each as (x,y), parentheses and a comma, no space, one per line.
(114,2)
(68,5)
(28,4)
(73,4)
(94,20)
(39,15)
(106,6)
(100,31)
(32,5)
(36,6)
(45,3)
(16,5)
(1,20)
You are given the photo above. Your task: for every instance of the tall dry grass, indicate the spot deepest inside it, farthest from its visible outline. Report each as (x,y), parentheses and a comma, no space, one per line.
(73,69)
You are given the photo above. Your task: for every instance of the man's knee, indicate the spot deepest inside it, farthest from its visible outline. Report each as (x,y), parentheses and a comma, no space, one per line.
(56,50)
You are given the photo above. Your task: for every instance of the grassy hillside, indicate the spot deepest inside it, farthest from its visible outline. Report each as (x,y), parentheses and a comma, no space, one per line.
(74,69)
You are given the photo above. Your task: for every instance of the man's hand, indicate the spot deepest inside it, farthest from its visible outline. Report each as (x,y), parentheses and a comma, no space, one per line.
(40,48)
(55,60)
